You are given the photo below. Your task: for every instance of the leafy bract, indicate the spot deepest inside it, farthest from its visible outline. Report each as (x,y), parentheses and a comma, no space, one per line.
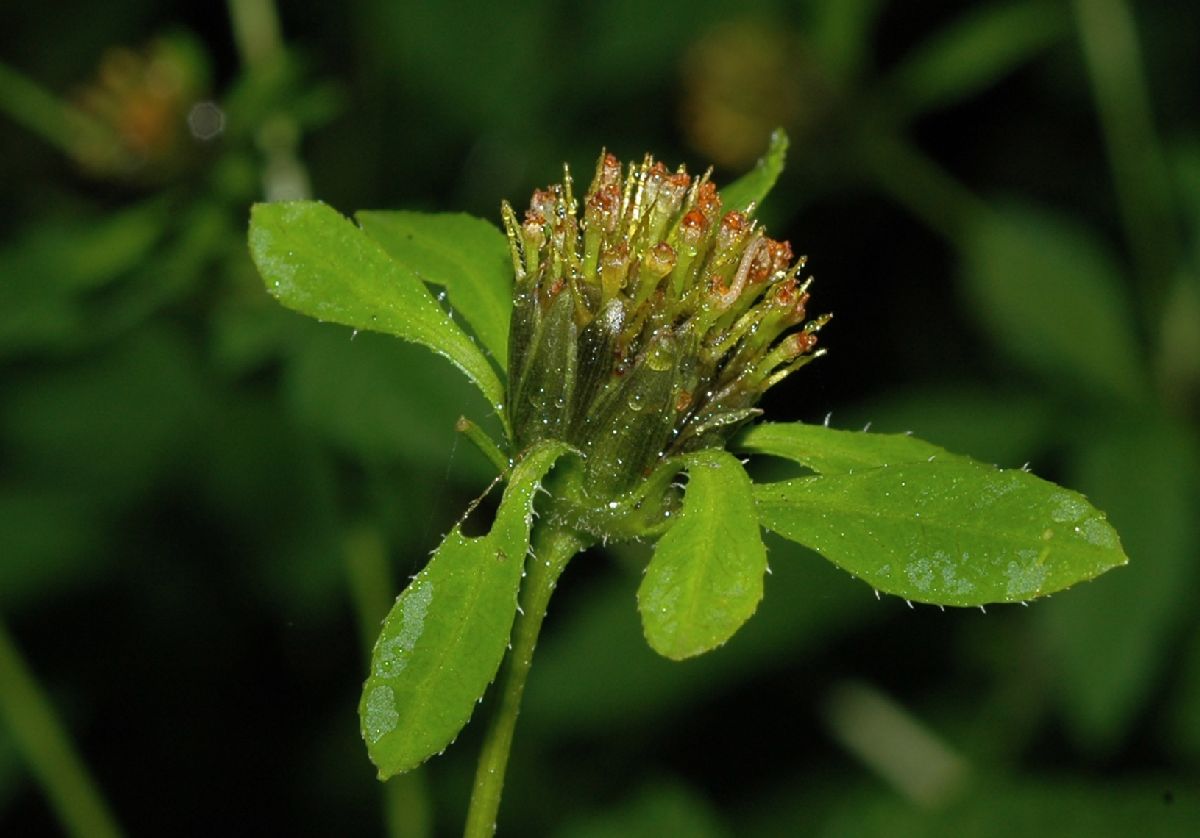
(830,451)
(466,255)
(706,577)
(753,186)
(319,263)
(444,638)
(946,530)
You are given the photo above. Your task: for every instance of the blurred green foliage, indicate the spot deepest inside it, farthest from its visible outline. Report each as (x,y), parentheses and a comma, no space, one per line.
(1002,205)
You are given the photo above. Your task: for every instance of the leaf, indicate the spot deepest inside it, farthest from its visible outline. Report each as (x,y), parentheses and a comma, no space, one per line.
(974,52)
(1113,643)
(466,255)
(752,187)
(317,262)
(706,576)
(829,451)
(1052,298)
(951,531)
(447,633)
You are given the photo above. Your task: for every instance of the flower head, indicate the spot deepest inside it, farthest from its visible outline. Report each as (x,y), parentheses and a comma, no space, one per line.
(651,325)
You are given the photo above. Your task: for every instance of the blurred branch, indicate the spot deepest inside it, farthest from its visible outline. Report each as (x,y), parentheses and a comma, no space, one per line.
(260,45)
(47,749)
(406,799)
(40,111)
(1114,62)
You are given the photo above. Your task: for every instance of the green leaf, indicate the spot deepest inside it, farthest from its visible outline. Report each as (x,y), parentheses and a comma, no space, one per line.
(445,637)
(1053,299)
(976,51)
(319,263)
(466,255)
(828,451)
(752,187)
(948,531)
(1112,643)
(706,576)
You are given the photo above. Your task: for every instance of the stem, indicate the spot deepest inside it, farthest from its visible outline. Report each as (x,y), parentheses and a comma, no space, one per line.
(552,549)
(479,438)
(42,740)
(260,46)
(1140,172)
(406,809)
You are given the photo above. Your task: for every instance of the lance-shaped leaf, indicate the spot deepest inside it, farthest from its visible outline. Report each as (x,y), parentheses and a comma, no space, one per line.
(951,532)
(753,186)
(444,638)
(706,576)
(829,451)
(319,263)
(466,255)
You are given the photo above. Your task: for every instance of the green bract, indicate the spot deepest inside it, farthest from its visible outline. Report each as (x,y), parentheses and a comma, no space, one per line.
(637,337)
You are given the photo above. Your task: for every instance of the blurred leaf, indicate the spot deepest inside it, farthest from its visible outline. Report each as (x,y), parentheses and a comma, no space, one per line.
(1111,640)
(50,269)
(382,401)
(752,187)
(976,51)
(948,531)
(109,424)
(829,451)
(1052,298)
(317,262)
(706,576)
(1183,723)
(444,638)
(661,809)
(466,255)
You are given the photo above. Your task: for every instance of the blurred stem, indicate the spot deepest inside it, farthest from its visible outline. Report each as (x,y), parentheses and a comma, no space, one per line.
(406,806)
(46,747)
(40,111)
(552,549)
(921,186)
(1140,174)
(260,45)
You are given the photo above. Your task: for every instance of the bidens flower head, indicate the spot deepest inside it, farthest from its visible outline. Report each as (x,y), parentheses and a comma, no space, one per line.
(652,325)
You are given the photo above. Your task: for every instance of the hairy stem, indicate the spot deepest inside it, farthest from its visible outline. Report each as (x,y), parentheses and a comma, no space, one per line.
(552,549)
(46,747)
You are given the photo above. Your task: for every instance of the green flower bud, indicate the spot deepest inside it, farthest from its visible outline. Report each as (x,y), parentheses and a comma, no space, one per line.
(649,327)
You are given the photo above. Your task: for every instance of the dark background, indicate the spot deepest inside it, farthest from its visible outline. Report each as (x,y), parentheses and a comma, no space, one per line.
(204,499)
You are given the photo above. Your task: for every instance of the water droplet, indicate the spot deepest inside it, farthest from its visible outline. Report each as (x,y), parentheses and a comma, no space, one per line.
(635,401)
(612,504)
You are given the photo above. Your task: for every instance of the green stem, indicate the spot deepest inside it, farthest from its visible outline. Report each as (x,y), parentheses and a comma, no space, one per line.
(552,549)
(406,808)
(1140,172)
(46,747)
(260,46)
(479,438)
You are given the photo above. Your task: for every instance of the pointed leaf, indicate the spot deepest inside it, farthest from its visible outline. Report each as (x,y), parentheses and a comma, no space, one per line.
(466,255)
(445,637)
(706,577)
(752,187)
(952,532)
(319,263)
(830,451)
